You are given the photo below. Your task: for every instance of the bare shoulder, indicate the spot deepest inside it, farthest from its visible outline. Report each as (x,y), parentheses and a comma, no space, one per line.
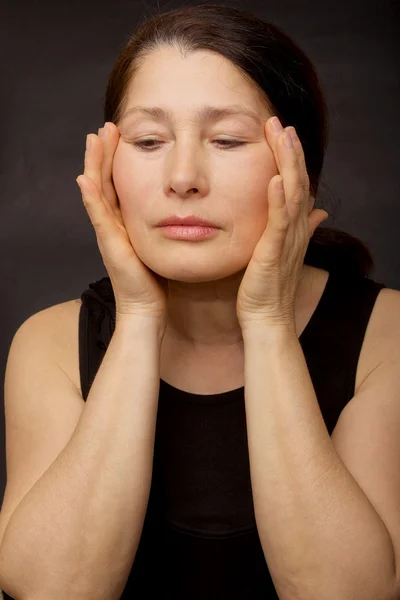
(382,335)
(383,331)
(60,324)
(366,436)
(385,319)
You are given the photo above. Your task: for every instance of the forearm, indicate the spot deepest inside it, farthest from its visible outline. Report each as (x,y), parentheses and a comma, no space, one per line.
(75,534)
(321,536)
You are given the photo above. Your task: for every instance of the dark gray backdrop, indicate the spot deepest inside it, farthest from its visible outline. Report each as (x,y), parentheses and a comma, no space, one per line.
(55,59)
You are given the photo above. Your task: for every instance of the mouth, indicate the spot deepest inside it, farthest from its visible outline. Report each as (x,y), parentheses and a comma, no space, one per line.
(189,232)
(190,221)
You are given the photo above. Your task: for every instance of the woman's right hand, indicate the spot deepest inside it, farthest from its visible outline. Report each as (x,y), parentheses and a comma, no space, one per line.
(137,291)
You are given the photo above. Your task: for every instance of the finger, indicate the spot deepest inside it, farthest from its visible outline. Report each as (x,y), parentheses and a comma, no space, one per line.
(278,219)
(287,163)
(109,136)
(279,204)
(96,208)
(292,177)
(93,160)
(113,242)
(315,219)
(272,137)
(302,161)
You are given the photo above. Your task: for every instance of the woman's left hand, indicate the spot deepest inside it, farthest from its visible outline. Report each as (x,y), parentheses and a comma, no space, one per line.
(267,292)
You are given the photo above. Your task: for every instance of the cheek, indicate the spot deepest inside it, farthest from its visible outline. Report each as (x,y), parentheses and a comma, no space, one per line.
(128,185)
(257,169)
(251,207)
(249,218)
(120,172)
(253,198)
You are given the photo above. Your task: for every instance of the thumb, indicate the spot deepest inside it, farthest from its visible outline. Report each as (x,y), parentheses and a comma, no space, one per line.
(315,219)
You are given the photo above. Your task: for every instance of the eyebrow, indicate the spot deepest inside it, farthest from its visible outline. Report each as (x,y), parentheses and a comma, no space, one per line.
(204,113)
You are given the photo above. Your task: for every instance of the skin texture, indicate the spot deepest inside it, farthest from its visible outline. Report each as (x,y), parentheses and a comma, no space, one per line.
(188,172)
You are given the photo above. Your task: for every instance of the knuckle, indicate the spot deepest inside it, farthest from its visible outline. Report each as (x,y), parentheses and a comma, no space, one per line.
(306,186)
(298,197)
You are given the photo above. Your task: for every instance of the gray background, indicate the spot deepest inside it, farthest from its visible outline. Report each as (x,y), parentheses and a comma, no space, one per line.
(55,61)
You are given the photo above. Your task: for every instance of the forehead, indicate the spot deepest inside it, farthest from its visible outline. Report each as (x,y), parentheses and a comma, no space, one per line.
(203,86)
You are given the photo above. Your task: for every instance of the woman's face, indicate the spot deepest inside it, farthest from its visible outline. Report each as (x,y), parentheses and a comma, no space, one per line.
(187,171)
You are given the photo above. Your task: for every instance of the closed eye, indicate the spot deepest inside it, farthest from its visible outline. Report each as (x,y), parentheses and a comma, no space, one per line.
(226,144)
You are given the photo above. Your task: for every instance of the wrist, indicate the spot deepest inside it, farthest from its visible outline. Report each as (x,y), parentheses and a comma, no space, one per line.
(269,333)
(139,325)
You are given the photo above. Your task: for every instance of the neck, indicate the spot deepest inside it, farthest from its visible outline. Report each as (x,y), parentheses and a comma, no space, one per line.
(203,315)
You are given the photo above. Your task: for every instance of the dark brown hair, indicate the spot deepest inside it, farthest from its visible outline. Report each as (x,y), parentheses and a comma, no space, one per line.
(278,69)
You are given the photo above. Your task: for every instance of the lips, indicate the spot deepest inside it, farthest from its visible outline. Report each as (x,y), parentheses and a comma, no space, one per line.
(190,220)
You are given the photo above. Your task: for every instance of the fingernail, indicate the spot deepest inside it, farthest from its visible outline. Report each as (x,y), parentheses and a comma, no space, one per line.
(88,142)
(276,125)
(82,184)
(106,129)
(293,135)
(287,140)
(101,132)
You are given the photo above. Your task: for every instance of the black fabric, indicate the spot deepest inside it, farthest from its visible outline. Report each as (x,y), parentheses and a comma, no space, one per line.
(199,538)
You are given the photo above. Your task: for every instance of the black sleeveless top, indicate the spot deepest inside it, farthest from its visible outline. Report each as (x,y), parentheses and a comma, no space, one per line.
(199,539)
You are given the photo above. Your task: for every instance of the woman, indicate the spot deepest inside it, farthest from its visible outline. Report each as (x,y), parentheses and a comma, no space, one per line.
(217,443)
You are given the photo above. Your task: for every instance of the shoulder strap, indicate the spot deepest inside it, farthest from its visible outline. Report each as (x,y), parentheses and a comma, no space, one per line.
(96,327)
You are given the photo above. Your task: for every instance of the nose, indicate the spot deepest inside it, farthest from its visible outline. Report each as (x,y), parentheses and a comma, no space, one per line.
(186,175)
